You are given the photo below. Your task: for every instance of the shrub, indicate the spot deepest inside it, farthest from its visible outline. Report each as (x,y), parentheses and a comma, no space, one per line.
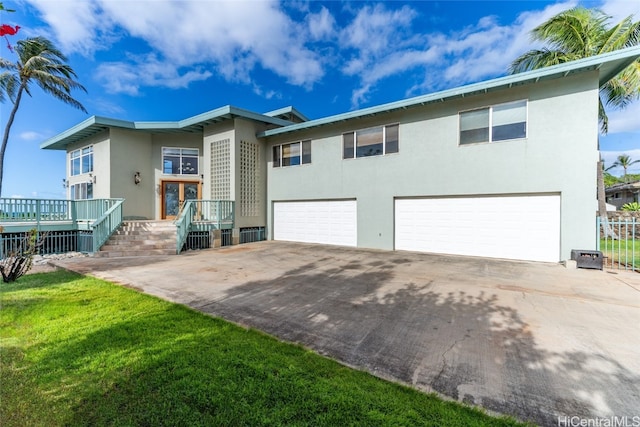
(633,207)
(18,260)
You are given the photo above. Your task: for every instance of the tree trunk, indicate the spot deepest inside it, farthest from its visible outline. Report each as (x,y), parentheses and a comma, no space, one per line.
(602,204)
(5,138)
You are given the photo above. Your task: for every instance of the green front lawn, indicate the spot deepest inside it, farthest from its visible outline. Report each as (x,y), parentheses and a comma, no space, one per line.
(626,252)
(80,351)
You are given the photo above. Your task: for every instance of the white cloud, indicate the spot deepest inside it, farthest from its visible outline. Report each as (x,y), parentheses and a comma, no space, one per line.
(104,106)
(384,45)
(620,9)
(378,43)
(191,40)
(375,28)
(627,120)
(79,26)
(230,37)
(321,24)
(31,136)
(487,49)
(145,70)
(267,94)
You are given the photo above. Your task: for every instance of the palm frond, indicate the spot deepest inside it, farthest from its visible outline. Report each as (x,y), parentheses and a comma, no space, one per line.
(576,30)
(624,88)
(42,63)
(541,58)
(603,119)
(8,86)
(579,33)
(619,36)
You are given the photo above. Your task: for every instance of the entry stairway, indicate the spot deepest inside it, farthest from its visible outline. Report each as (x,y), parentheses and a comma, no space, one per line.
(141,238)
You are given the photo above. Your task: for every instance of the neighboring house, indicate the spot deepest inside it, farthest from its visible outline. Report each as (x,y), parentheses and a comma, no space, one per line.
(621,194)
(504,168)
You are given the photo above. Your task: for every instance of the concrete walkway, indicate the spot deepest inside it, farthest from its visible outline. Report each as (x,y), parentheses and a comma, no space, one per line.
(536,341)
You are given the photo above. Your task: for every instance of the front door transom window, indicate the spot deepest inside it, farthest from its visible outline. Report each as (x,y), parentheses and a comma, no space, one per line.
(179,161)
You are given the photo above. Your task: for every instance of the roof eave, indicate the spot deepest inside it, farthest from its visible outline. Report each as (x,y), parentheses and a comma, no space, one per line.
(96,123)
(609,65)
(287,110)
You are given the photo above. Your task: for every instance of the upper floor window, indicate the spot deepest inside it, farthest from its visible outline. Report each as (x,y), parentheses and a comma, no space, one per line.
(81,161)
(293,154)
(370,142)
(180,161)
(492,124)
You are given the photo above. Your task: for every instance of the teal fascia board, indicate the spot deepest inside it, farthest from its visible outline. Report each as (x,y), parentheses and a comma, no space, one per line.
(91,126)
(96,124)
(287,110)
(609,65)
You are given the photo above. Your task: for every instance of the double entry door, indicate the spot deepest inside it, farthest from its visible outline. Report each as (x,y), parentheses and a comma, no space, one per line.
(175,193)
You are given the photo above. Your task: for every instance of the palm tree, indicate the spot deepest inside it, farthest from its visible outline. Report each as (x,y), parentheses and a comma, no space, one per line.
(579,33)
(623,161)
(39,62)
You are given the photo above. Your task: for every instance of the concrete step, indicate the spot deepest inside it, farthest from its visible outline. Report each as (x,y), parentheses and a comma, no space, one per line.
(144,236)
(147,229)
(141,238)
(134,253)
(109,246)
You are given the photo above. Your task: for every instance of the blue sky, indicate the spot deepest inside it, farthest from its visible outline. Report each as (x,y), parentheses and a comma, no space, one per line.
(158,60)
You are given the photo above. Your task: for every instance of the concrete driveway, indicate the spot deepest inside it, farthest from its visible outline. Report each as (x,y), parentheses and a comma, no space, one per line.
(535,341)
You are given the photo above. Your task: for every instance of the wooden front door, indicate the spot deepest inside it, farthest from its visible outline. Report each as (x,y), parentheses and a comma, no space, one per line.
(175,193)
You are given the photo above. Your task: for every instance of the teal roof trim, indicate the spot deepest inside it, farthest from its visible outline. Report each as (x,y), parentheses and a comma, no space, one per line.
(96,124)
(287,110)
(608,64)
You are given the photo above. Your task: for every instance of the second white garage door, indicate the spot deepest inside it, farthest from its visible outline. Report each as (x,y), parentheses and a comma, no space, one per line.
(332,222)
(523,227)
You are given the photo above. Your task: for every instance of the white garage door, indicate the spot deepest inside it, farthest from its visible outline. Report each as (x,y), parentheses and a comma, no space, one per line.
(332,222)
(514,227)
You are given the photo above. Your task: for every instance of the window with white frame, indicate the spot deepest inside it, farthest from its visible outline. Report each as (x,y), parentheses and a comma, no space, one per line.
(374,141)
(180,161)
(81,191)
(81,161)
(292,154)
(496,123)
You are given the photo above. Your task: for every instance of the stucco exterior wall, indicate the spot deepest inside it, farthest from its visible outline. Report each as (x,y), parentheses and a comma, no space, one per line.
(256,193)
(237,132)
(131,153)
(558,156)
(101,167)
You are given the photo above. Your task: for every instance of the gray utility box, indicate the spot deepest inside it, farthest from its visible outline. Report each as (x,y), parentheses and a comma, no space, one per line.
(587,259)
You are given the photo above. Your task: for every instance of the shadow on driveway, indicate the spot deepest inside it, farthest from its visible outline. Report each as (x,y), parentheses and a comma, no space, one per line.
(522,339)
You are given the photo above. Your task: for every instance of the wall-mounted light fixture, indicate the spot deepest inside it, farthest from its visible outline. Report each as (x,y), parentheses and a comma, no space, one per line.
(65,183)
(92,179)
(136,178)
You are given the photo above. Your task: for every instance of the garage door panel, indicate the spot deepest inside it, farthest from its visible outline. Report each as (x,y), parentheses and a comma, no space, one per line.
(517,227)
(329,222)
